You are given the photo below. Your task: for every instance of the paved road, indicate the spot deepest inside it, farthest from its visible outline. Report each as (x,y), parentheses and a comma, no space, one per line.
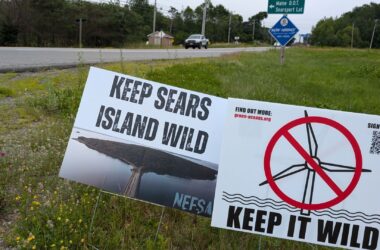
(24,59)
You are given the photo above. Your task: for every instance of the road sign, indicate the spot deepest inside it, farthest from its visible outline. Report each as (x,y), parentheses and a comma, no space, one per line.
(283,31)
(286,6)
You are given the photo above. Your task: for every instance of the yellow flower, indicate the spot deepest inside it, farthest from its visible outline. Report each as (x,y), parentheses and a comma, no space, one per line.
(31,237)
(52,245)
(61,241)
(35,197)
(80,221)
(70,241)
(34,247)
(82,240)
(18,238)
(17,198)
(36,203)
(59,218)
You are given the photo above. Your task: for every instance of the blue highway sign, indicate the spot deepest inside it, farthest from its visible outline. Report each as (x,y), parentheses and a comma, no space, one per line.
(283,31)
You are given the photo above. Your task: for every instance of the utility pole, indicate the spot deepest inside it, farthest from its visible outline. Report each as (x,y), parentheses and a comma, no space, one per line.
(352,35)
(204,17)
(253,30)
(229,28)
(80,21)
(171,25)
(80,32)
(373,33)
(154,16)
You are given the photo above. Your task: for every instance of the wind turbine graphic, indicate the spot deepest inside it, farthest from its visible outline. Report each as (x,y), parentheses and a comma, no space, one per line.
(305,166)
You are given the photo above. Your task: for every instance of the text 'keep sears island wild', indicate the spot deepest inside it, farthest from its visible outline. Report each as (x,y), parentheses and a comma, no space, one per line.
(144,127)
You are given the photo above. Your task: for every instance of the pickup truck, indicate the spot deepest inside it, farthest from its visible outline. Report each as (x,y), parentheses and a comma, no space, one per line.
(196,41)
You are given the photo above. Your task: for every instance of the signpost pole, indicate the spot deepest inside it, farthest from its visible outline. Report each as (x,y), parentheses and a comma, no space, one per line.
(159,224)
(282,55)
(93,217)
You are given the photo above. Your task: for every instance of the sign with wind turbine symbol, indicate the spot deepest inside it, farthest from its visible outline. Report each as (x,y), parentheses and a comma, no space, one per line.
(313,165)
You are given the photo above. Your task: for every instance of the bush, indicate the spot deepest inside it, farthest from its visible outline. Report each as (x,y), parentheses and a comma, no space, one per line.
(57,101)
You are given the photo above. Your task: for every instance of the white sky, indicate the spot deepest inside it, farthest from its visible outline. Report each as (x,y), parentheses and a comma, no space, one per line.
(315,10)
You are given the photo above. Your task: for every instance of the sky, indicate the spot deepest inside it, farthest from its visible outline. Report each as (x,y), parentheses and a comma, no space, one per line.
(315,10)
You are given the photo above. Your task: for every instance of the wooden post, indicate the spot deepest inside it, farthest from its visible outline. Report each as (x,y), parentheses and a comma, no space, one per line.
(282,55)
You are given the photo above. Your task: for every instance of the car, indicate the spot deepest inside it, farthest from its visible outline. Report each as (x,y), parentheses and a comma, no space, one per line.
(196,41)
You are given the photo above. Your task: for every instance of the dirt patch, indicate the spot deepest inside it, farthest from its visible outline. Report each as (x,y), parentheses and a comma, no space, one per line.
(6,223)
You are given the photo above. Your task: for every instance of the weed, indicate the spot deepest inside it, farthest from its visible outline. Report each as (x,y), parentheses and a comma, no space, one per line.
(6,92)
(56,101)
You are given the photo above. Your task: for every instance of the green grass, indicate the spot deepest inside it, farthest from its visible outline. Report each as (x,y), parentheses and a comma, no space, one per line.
(38,110)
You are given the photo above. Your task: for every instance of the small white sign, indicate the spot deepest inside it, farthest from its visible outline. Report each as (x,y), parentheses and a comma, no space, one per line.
(300,173)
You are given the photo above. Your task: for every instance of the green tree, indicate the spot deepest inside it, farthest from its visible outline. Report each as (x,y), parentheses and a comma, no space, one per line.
(261,33)
(55,22)
(338,32)
(324,33)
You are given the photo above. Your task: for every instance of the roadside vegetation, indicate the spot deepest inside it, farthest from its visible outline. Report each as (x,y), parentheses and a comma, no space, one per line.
(55,23)
(355,27)
(126,24)
(38,210)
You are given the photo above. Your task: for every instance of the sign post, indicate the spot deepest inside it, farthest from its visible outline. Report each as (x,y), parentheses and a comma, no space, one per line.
(283,31)
(286,6)
(282,55)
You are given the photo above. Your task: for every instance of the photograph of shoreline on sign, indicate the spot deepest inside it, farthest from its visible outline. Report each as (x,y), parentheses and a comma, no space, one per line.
(300,173)
(148,141)
(140,172)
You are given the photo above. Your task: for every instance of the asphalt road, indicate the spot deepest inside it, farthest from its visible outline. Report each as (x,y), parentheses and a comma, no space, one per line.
(30,59)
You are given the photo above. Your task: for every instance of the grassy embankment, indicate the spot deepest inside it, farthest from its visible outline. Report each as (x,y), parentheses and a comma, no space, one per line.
(38,110)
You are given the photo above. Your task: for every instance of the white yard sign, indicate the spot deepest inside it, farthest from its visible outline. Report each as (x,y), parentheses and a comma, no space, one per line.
(146,140)
(300,173)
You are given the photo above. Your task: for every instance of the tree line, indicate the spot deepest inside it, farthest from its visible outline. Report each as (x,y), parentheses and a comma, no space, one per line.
(56,23)
(355,27)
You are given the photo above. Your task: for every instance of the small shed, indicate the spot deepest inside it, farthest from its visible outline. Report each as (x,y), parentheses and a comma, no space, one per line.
(160,38)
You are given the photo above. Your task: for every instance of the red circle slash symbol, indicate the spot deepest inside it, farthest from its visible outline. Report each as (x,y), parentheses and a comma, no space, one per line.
(340,194)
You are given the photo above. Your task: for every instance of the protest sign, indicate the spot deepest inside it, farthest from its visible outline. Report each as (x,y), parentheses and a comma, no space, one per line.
(146,140)
(300,173)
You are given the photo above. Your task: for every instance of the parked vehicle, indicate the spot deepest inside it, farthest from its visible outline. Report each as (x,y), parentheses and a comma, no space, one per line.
(196,41)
